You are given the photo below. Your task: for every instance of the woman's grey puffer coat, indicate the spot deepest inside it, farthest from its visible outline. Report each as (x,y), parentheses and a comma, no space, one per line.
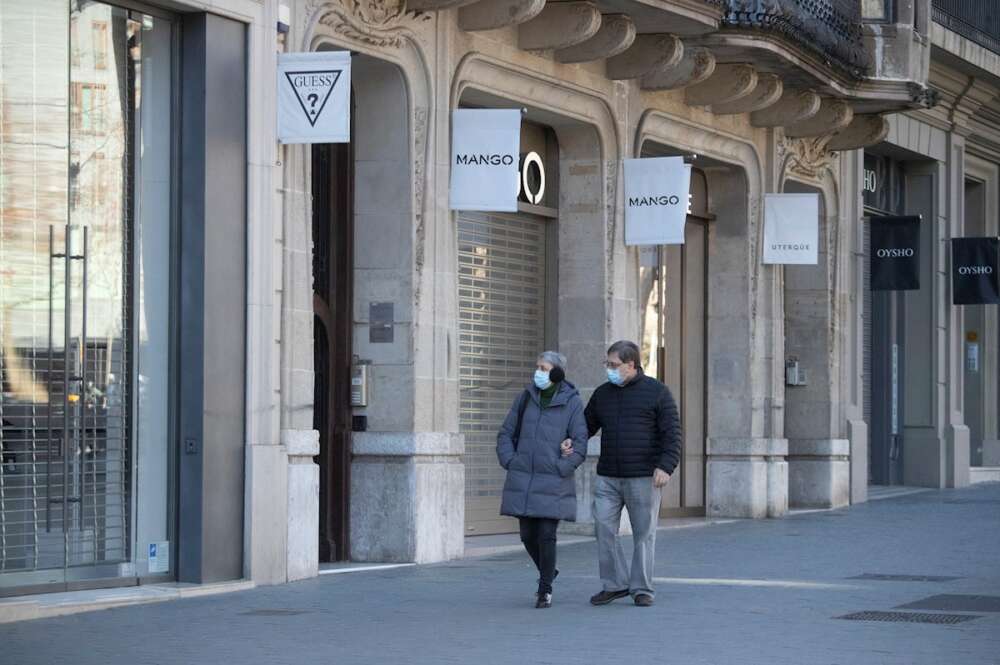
(539,480)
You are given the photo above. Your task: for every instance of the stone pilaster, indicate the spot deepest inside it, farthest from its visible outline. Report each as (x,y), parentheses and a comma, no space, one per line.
(406,497)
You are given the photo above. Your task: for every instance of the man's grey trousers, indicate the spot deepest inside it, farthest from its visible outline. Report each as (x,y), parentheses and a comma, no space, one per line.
(643,503)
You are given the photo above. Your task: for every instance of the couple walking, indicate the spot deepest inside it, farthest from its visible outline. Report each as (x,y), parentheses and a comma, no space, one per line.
(544,439)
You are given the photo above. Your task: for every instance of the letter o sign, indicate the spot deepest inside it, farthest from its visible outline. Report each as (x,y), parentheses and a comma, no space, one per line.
(524,182)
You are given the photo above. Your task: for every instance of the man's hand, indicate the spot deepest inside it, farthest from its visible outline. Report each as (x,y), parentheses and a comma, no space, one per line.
(660,478)
(566,447)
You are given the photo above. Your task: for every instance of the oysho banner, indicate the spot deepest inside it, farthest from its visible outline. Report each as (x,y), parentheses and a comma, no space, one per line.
(791,229)
(656,200)
(974,265)
(895,253)
(485,150)
(314,93)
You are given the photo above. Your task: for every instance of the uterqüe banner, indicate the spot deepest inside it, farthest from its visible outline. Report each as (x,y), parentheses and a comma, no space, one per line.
(656,200)
(895,253)
(974,265)
(791,229)
(485,150)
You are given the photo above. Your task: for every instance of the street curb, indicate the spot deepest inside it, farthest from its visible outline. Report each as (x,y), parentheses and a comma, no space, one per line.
(48,605)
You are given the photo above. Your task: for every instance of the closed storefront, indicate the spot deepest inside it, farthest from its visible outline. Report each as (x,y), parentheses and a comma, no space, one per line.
(86,166)
(93,322)
(504,321)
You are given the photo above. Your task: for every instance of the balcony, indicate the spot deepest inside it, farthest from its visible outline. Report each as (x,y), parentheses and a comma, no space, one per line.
(830,29)
(976,20)
(814,68)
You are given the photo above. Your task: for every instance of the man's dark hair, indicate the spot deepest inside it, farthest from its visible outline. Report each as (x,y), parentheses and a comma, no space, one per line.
(626,351)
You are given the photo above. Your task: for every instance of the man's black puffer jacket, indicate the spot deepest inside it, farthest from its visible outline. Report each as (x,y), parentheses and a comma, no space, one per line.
(640,428)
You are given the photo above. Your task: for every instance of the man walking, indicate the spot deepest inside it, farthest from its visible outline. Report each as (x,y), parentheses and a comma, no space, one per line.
(640,448)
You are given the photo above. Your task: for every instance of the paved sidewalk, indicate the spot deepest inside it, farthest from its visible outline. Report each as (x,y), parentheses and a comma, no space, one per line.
(758,592)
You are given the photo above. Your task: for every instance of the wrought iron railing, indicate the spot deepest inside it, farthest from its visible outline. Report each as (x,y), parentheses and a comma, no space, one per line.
(976,20)
(831,29)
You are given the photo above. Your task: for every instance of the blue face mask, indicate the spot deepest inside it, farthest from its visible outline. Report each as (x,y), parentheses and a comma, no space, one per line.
(542,379)
(615,377)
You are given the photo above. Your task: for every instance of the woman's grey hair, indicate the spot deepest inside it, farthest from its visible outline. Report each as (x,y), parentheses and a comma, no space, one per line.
(553,358)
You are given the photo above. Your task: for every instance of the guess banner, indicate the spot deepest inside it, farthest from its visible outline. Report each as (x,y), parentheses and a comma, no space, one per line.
(314,93)
(656,200)
(895,253)
(791,229)
(974,265)
(485,150)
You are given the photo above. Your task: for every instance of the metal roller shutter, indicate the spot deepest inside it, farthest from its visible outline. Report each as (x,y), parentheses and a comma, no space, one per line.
(501,331)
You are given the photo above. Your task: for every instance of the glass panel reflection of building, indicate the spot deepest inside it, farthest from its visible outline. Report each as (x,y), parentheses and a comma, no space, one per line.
(73,223)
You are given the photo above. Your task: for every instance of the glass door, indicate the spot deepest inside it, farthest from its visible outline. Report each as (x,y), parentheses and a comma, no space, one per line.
(84,373)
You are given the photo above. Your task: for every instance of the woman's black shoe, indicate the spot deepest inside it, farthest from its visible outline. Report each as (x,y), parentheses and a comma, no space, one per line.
(605,597)
(544,601)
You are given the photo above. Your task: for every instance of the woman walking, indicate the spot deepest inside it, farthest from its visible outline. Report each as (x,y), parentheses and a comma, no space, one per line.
(540,489)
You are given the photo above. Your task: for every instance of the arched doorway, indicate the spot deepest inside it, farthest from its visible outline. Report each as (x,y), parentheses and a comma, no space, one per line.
(674,322)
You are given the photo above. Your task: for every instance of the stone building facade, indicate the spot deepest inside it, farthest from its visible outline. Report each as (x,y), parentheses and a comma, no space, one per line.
(754,106)
(385,335)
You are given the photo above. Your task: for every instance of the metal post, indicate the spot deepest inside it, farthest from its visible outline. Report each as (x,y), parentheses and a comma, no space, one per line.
(83,388)
(48,385)
(67,324)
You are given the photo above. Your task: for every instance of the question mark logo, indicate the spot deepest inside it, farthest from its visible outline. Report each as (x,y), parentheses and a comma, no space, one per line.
(313,98)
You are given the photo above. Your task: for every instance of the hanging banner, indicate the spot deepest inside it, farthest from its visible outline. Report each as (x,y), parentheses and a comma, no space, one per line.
(656,200)
(314,97)
(791,229)
(895,253)
(485,151)
(974,265)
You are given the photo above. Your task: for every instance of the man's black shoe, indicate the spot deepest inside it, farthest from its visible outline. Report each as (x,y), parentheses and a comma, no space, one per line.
(605,597)
(544,601)
(643,600)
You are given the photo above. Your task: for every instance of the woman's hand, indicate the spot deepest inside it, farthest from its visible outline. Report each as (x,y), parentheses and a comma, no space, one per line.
(566,447)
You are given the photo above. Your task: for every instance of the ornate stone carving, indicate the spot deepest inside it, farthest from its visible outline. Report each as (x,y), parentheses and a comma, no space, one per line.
(611,205)
(616,35)
(560,25)
(420,126)
(864,130)
(833,116)
(728,83)
(767,93)
(808,157)
(648,53)
(697,65)
(382,23)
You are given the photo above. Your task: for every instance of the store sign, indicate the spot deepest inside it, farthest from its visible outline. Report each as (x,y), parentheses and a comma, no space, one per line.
(314,97)
(657,192)
(791,229)
(895,253)
(870,181)
(974,266)
(531,183)
(485,151)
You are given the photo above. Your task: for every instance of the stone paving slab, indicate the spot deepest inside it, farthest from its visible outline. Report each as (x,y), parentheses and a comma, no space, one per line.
(752,592)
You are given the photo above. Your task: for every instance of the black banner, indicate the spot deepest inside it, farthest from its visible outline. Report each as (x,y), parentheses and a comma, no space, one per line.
(974,265)
(895,253)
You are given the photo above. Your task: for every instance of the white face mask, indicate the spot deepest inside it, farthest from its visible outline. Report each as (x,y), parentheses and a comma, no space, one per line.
(542,379)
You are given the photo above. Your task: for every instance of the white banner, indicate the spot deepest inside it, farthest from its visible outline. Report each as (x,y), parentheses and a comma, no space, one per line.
(656,200)
(314,97)
(791,228)
(485,150)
